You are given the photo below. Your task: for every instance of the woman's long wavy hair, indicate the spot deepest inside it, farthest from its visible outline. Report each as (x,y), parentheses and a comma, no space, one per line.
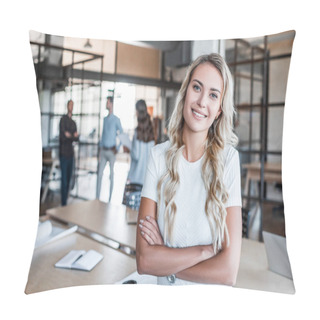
(219,134)
(145,130)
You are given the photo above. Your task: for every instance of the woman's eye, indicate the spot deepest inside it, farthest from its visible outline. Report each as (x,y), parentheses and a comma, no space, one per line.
(196,87)
(213,95)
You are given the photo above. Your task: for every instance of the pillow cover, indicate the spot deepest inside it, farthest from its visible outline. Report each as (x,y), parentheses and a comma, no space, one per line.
(87,71)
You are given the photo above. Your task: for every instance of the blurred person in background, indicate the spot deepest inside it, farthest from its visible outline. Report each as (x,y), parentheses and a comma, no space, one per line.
(143,141)
(67,135)
(108,145)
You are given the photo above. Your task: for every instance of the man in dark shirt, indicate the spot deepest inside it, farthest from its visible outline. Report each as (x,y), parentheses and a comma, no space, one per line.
(67,135)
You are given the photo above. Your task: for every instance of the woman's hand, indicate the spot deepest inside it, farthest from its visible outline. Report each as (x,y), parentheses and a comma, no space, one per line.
(149,230)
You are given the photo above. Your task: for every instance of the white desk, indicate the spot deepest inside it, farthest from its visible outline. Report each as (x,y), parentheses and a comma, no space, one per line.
(105,219)
(110,221)
(44,276)
(253,271)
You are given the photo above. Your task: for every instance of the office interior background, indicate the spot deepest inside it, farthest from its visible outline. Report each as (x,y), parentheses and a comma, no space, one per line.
(88,70)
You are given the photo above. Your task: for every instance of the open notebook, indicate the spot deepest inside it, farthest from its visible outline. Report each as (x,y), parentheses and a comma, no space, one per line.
(80,260)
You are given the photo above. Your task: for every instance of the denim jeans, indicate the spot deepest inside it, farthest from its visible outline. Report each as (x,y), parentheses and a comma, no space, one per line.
(66,165)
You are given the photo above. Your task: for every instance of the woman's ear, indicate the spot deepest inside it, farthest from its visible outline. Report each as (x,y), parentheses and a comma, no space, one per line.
(218,114)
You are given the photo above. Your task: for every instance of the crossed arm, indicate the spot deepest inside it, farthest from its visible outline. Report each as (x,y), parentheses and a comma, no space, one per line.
(70,135)
(65,134)
(197,263)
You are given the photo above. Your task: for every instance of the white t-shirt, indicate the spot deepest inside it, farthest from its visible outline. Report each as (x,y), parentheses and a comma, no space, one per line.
(191,226)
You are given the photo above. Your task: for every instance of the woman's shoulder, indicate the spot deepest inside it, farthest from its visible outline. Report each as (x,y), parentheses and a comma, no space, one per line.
(160,148)
(229,152)
(157,157)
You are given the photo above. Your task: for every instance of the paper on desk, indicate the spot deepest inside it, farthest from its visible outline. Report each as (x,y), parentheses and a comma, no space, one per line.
(80,259)
(48,233)
(140,278)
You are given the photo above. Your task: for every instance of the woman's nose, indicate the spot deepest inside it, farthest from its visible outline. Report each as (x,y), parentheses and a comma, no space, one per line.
(202,100)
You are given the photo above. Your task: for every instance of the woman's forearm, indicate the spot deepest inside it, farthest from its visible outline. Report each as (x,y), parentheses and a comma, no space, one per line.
(153,257)
(223,267)
(217,270)
(197,263)
(159,260)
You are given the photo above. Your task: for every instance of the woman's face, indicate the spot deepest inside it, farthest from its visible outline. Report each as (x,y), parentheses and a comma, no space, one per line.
(203,99)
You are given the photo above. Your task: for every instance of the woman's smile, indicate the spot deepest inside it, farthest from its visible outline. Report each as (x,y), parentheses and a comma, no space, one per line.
(198,114)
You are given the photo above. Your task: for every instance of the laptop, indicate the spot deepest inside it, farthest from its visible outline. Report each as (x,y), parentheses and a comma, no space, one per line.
(277,255)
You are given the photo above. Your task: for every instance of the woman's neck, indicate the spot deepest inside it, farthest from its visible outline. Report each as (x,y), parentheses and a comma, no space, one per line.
(194,146)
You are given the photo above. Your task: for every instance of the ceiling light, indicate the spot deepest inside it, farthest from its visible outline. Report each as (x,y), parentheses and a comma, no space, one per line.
(88,44)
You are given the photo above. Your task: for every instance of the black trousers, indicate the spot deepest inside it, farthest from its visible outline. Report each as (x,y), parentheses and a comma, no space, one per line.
(66,165)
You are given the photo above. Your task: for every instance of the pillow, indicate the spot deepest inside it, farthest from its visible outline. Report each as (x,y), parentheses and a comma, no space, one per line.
(87,71)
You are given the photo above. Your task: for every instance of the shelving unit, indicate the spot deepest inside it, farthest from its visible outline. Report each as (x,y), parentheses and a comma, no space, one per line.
(250,65)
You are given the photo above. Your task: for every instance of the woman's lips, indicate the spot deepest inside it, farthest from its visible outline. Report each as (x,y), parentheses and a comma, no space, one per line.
(198,114)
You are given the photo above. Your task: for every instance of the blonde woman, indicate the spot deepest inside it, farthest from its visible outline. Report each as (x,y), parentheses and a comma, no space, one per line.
(190,213)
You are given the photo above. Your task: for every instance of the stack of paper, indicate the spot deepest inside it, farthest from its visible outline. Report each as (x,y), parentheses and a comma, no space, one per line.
(48,233)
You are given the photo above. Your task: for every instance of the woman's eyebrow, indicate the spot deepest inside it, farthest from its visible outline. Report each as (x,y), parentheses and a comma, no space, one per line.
(201,84)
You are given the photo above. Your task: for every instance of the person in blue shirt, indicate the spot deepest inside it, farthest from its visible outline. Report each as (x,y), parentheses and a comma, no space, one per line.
(108,145)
